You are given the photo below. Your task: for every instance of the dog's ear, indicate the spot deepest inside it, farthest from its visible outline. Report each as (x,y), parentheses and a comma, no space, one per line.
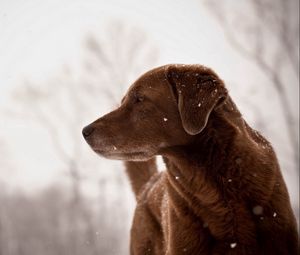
(198,91)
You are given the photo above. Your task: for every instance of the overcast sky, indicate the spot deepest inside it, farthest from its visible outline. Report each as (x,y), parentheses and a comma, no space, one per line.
(38,37)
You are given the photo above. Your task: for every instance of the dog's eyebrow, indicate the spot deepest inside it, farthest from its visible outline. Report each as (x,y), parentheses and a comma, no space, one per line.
(135,92)
(130,93)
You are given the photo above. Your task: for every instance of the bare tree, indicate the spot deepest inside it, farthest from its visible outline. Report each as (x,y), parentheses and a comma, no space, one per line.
(65,103)
(267,33)
(118,59)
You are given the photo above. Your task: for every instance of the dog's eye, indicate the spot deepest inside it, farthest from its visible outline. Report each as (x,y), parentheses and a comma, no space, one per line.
(139,98)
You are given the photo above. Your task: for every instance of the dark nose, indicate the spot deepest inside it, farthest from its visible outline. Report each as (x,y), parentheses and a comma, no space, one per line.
(87,131)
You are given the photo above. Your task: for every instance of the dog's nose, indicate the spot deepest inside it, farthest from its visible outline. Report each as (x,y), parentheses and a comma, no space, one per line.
(87,131)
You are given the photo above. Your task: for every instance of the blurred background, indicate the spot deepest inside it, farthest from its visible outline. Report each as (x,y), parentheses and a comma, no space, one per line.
(64,63)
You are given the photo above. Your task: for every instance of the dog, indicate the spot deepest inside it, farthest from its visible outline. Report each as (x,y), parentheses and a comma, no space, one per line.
(222,192)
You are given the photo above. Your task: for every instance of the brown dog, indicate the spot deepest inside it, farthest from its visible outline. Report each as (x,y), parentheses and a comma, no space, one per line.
(222,193)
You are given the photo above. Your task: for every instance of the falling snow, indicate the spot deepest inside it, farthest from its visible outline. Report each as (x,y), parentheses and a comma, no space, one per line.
(233,245)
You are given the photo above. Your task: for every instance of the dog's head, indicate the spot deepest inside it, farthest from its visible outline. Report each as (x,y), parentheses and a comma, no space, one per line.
(165,107)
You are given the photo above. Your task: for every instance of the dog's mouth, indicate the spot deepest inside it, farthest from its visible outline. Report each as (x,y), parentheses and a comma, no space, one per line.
(107,149)
(121,155)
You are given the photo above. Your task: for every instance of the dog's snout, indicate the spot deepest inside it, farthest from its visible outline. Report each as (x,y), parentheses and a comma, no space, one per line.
(87,131)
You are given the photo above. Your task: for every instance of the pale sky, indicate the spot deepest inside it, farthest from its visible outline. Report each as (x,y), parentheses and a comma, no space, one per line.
(37,38)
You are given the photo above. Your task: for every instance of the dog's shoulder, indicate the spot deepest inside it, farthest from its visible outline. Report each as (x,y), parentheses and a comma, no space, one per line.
(153,187)
(152,194)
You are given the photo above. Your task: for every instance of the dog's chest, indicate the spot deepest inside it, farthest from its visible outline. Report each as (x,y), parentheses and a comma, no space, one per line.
(184,234)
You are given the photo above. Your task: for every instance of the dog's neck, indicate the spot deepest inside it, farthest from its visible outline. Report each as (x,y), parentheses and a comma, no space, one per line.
(198,163)
(198,174)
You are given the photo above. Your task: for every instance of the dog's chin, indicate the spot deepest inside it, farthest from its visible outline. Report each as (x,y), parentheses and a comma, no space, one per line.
(125,156)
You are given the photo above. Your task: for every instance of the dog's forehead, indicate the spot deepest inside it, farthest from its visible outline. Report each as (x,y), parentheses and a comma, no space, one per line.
(151,82)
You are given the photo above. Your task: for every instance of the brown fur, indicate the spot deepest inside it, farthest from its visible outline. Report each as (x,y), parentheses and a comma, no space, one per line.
(222,192)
